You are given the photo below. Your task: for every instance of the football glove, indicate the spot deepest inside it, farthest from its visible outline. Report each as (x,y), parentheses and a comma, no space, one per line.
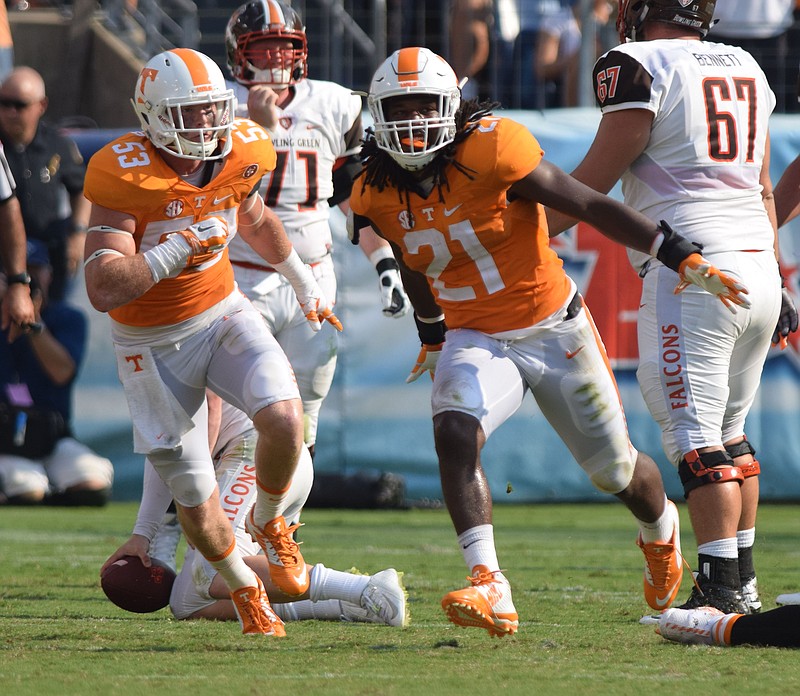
(684,257)
(697,270)
(787,320)
(393,296)
(431,333)
(313,304)
(426,362)
(196,244)
(206,238)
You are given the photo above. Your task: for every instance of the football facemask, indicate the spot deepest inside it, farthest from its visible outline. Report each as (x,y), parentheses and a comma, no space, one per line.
(253,61)
(414,72)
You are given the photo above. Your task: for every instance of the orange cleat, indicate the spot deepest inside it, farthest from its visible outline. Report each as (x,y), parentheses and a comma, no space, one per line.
(287,569)
(255,614)
(663,569)
(486,604)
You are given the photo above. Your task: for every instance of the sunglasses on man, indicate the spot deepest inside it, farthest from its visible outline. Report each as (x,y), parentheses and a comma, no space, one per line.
(15,104)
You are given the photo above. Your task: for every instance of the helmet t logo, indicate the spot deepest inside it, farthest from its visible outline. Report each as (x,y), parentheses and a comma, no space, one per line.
(147,73)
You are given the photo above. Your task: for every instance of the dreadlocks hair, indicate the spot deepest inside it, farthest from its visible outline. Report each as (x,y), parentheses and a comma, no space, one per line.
(380,170)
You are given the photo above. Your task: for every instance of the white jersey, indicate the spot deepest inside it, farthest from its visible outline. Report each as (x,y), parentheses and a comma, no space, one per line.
(7,184)
(321,125)
(700,171)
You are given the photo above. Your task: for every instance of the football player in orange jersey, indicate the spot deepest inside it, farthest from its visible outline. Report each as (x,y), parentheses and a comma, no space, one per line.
(459,194)
(165,204)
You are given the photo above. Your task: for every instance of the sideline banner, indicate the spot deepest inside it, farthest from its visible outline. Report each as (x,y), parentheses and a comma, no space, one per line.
(373,421)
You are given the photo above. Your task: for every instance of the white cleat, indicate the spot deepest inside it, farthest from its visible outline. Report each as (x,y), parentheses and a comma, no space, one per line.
(789,598)
(750,596)
(704,626)
(382,601)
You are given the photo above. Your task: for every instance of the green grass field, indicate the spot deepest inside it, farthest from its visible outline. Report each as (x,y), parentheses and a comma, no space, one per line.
(575,571)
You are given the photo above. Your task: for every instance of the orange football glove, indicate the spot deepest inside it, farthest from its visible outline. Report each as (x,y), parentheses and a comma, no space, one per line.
(697,270)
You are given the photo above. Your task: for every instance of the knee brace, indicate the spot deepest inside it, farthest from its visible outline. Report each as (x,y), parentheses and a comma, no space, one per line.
(740,449)
(698,470)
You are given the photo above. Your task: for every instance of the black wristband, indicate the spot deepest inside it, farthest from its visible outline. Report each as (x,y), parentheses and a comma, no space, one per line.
(388,264)
(675,249)
(431,334)
(359,221)
(21,278)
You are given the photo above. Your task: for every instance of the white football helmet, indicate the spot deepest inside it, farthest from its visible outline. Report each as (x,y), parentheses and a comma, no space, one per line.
(172,81)
(414,71)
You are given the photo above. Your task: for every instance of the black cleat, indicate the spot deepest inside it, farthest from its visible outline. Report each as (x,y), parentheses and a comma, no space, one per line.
(709,594)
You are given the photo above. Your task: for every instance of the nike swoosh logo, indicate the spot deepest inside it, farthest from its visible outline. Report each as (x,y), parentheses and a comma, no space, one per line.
(572,353)
(219,200)
(449,211)
(466,546)
(664,602)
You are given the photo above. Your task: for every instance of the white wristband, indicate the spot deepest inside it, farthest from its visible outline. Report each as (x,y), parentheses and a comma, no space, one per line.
(381,253)
(656,245)
(431,320)
(293,269)
(101,252)
(167,257)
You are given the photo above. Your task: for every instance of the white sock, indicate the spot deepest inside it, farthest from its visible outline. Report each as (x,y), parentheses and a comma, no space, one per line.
(721,548)
(288,611)
(234,571)
(305,609)
(326,583)
(477,546)
(268,505)
(661,529)
(745,537)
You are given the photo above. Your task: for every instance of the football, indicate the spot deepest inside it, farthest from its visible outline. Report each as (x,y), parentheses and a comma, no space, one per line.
(132,587)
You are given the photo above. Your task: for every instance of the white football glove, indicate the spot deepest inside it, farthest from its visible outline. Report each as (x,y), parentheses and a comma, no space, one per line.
(426,362)
(196,244)
(206,238)
(393,295)
(697,270)
(685,258)
(315,307)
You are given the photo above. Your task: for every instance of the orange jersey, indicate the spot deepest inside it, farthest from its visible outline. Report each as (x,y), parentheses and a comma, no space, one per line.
(128,175)
(488,262)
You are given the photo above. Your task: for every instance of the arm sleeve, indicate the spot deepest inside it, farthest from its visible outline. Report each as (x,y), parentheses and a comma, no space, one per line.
(156,498)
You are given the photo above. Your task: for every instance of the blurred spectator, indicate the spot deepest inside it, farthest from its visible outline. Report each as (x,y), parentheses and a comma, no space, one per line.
(471,27)
(787,190)
(40,461)
(557,52)
(6,43)
(558,44)
(762,29)
(49,173)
